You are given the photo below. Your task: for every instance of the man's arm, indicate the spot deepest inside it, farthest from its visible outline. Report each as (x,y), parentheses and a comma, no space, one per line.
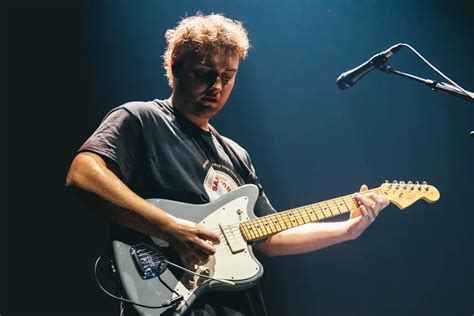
(99,181)
(315,236)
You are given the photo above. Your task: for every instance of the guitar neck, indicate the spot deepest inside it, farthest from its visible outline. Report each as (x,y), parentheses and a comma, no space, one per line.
(266,226)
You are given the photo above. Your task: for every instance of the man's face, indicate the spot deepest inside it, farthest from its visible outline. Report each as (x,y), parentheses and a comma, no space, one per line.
(204,83)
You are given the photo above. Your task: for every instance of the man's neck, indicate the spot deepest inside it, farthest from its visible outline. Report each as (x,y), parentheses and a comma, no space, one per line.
(200,122)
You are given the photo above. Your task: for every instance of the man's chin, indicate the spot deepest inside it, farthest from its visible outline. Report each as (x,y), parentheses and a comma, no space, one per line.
(208,108)
(206,112)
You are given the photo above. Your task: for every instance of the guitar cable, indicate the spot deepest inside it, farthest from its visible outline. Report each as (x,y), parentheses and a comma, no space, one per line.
(198,274)
(168,303)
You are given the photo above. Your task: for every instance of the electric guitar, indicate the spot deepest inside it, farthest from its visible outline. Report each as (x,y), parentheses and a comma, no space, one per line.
(152,274)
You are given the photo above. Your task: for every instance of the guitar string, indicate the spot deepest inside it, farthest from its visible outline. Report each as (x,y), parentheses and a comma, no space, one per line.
(269,226)
(300,209)
(287,221)
(277,220)
(265,226)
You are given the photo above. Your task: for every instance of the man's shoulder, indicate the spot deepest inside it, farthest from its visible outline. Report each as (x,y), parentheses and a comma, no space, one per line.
(145,112)
(144,108)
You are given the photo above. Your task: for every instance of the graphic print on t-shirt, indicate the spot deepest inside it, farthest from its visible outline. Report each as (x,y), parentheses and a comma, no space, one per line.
(219,180)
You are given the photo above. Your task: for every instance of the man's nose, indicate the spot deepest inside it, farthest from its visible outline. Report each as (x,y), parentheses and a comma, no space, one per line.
(217,85)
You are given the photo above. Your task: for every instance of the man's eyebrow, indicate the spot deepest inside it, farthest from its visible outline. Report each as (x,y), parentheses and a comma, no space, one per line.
(210,67)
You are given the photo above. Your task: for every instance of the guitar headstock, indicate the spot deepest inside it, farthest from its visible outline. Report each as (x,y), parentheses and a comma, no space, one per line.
(405,194)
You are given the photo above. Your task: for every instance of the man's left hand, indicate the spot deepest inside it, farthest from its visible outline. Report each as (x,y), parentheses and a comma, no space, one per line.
(370,205)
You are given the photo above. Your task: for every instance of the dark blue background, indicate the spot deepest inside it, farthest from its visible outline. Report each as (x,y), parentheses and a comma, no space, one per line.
(68,64)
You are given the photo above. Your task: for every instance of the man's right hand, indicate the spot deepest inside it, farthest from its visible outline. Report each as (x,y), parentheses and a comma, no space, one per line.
(193,242)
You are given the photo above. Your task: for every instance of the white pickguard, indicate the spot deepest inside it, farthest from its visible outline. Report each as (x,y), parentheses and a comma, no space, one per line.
(224,264)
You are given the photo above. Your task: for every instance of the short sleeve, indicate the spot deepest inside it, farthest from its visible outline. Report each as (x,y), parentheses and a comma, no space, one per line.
(262,206)
(119,138)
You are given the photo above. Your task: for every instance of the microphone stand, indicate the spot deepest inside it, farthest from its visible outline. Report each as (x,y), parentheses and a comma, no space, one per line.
(434,85)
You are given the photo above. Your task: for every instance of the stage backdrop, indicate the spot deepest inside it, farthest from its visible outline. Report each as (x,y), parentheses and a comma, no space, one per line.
(69,63)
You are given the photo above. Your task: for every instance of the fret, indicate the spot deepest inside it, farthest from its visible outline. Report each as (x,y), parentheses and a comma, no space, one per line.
(269,224)
(307,212)
(244,230)
(249,229)
(321,212)
(313,213)
(286,220)
(339,205)
(306,216)
(274,222)
(334,208)
(298,214)
(279,221)
(264,225)
(351,201)
(299,217)
(290,220)
(261,227)
(325,208)
(282,220)
(345,204)
(258,232)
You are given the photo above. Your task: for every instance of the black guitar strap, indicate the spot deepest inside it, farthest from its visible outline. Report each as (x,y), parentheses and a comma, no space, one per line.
(242,168)
(254,294)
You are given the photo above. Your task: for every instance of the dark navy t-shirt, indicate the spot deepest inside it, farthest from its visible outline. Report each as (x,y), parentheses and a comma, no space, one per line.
(161,154)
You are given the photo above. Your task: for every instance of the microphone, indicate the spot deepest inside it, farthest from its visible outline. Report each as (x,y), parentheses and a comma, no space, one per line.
(349,78)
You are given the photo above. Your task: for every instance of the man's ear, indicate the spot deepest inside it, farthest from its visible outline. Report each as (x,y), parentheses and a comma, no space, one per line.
(175,69)
(175,66)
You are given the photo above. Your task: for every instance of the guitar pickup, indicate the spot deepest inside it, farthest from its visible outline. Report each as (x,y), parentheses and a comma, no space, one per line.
(233,237)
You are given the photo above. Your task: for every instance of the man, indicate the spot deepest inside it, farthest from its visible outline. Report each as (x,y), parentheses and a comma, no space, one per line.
(165,148)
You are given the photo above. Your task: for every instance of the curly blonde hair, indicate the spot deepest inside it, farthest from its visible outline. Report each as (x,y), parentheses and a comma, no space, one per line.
(205,34)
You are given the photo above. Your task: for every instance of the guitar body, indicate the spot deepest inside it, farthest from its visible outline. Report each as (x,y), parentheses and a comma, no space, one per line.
(233,261)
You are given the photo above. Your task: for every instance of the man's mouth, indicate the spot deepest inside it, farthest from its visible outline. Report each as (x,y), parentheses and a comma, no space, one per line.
(209,99)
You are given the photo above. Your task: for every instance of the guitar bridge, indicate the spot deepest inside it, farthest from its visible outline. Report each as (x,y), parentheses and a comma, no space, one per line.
(148,261)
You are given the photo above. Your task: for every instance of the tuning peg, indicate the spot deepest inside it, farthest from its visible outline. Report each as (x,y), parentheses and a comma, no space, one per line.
(410,182)
(402,182)
(386,181)
(417,182)
(427,187)
(395,181)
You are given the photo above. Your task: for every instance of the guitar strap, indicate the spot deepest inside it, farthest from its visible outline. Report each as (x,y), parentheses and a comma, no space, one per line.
(254,294)
(242,168)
